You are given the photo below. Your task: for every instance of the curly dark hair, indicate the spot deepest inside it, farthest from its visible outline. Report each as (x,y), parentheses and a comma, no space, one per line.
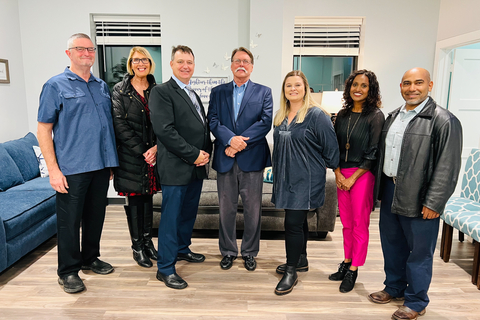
(374,99)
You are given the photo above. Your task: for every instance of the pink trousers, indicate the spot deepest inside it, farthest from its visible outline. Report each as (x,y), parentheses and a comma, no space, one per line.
(355,207)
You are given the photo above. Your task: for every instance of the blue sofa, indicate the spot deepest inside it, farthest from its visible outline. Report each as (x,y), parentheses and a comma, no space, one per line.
(27,201)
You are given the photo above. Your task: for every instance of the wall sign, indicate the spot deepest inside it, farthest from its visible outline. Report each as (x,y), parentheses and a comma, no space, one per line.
(204,85)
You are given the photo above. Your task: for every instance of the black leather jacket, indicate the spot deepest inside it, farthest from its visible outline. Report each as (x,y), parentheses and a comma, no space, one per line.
(134,135)
(429,162)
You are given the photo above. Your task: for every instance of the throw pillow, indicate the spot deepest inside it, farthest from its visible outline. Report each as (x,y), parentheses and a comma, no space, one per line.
(268,175)
(42,165)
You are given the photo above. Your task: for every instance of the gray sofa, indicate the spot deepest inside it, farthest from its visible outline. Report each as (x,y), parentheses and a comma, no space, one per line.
(320,221)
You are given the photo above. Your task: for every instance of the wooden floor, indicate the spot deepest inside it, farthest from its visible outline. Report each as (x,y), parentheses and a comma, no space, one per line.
(29,289)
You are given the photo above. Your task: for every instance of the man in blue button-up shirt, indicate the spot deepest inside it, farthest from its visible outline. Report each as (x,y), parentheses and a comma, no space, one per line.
(75,106)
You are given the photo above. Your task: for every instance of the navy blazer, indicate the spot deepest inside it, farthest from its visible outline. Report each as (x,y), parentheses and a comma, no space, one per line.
(181,134)
(254,121)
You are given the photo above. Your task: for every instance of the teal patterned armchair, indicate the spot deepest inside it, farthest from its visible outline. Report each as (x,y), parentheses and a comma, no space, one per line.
(463,213)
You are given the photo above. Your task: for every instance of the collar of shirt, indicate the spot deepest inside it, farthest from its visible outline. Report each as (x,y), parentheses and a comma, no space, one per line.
(417,109)
(73,76)
(243,87)
(180,83)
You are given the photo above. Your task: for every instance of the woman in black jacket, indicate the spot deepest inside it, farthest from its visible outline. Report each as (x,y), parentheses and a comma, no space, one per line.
(137,152)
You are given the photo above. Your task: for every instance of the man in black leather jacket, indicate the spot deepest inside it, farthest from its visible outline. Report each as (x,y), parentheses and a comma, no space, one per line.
(420,157)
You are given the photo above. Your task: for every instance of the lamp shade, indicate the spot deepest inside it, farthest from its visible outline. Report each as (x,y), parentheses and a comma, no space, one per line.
(332,101)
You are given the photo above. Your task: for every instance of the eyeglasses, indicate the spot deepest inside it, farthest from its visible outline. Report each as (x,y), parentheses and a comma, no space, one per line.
(143,60)
(81,49)
(238,61)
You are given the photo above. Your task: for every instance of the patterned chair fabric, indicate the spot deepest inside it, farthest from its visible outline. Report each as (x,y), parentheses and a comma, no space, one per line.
(463,213)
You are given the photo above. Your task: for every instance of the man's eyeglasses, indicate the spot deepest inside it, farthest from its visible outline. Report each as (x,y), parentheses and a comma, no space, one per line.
(81,49)
(238,61)
(143,60)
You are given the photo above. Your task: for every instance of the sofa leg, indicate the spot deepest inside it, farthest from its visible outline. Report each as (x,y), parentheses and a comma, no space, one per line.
(447,248)
(442,241)
(476,265)
(461,236)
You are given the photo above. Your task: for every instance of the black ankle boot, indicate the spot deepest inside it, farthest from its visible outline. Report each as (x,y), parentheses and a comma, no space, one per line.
(349,281)
(302,265)
(342,270)
(289,280)
(135,226)
(147,230)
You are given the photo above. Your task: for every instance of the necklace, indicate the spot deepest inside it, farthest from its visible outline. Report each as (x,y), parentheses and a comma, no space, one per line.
(349,134)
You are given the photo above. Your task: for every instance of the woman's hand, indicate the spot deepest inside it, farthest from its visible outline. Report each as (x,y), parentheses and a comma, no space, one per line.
(151,155)
(339,179)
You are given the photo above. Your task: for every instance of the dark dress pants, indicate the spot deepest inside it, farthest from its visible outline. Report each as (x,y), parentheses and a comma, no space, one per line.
(249,186)
(179,211)
(408,245)
(296,235)
(84,205)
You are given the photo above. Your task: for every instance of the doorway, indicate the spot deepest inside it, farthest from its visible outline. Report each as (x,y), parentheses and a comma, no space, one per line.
(456,83)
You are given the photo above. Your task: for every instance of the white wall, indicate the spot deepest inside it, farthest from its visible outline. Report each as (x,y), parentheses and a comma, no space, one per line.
(458,17)
(399,35)
(214,27)
(13,105)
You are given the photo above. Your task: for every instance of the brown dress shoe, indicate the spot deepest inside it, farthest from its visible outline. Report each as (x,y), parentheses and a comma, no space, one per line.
(382,297)
(405,313)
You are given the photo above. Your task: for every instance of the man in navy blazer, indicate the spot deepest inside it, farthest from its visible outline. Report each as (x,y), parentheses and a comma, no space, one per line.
(240,116)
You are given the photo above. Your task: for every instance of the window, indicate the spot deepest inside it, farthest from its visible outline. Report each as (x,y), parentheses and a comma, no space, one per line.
(326,50)
(115,35)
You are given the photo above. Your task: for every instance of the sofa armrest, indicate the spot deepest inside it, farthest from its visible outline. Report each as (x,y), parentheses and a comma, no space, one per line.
(327,214)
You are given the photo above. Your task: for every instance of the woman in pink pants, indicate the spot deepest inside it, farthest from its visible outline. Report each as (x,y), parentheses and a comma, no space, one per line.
(358,127)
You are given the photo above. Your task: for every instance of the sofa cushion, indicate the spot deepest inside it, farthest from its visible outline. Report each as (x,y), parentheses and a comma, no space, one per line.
(24,206)
(22,153)
(10,174)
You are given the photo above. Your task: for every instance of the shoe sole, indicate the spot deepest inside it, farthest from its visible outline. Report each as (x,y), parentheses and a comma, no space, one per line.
(173,287)
(98,271)
(301,269)
(281,293)
(383,301)
(421,313)
(188,260)
(73,290)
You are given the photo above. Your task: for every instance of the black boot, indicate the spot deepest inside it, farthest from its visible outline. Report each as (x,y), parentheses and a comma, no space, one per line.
(349,281)
(135,226)
(342,270)
(289,280)
(302,265)
(147,230)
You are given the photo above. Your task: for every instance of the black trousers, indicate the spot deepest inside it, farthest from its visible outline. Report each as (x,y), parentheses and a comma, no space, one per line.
(296,235)
(83,206)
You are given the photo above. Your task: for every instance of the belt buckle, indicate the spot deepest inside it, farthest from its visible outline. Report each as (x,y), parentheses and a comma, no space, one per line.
(394,180)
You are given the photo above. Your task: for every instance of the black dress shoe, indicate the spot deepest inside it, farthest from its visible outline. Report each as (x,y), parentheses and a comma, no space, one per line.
(349,281)
(302,265)
(227,262)
(99,266)
(191,257)
(173,280)
(342,270)
(71,283)
(249,263)
(289,280)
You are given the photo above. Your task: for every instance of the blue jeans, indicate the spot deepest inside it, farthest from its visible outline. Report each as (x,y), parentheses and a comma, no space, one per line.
(179,211)
(408,245)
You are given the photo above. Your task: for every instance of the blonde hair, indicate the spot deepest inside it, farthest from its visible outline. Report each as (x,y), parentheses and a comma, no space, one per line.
(143,51)
(308,101)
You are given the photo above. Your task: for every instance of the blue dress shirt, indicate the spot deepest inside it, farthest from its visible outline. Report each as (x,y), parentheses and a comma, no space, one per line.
(81,114)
